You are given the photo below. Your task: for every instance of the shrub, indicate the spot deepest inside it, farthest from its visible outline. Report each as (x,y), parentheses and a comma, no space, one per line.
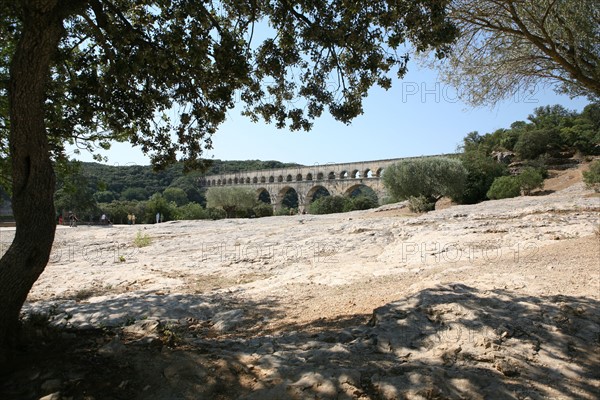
(235,201)
(175,195)
(362,202)
(530,179)
(263,210)
(592,176)
(159,204)
(329,205)
(504,187)
(134,193)
(481,172)
(533,143)
(215,213)
(432,178)
(142,240)
(283,211)
(191,211)
(420,204)
(243,213)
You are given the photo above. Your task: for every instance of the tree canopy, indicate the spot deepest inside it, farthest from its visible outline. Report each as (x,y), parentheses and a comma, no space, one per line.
(162,75)
(431,178)
(231,199)
(506,47)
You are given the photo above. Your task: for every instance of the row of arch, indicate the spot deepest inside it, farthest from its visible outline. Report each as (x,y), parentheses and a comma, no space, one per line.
(356,174)
(283,195)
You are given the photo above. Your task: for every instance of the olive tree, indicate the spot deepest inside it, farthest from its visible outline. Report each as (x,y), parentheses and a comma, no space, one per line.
(231,199)
(430,178)
(506,47)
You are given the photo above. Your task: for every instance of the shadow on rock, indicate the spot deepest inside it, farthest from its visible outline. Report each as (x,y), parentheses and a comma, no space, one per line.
(447,342)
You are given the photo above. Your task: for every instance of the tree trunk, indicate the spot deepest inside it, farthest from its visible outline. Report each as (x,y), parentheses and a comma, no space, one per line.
(32,173)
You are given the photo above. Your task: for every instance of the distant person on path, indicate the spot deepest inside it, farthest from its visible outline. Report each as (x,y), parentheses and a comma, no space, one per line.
(133,219)
(72,220)
(60,220)
(157,217)
(103,219)
(129,218)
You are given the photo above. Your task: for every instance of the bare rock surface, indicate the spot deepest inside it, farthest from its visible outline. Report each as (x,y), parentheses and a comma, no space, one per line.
(495,300)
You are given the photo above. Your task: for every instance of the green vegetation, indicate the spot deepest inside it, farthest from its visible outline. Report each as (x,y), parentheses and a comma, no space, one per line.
(91,189)
(329,205)
(142,239)
(550,134)
(263,210)
(530,179)
(521,45)
(235,201)
(429,178)
(481,172)
(191,211)
(512,186)
(420,204)
(504,187)
(338,204)
(592,176)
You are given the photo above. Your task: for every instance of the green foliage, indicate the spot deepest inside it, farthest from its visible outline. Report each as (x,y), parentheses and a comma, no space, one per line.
(176,195)
(533,143)
(73,193)
(330,205)
(420,204)
(337,204)
(481,172)
(235,201)
(363,202)
(191,211)
(134,193)
(263,210)
(121,66)
(362,198)
(139,181)
(504,187)
(142,239)
(591,177)
(284,211)
(549,130)
(530,179)
(431,178)
(500,54)
(105,196)
(158,204)
(215,213)
(117,211)
(189,184)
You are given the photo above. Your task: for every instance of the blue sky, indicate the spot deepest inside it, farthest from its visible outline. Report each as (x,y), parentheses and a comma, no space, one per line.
(418,116)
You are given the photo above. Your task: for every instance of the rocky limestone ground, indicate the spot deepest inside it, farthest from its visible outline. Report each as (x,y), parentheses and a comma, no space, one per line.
(495,300)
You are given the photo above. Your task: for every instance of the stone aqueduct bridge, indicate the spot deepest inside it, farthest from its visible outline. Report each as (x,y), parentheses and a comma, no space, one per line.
(337,179)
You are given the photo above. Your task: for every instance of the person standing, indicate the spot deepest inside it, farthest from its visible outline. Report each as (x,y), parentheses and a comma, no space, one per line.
(72,220)
(129,218)
(133,219)
(157,217)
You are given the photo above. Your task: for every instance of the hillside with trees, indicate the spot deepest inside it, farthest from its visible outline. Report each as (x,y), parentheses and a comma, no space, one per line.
(505,163)
(90,189)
